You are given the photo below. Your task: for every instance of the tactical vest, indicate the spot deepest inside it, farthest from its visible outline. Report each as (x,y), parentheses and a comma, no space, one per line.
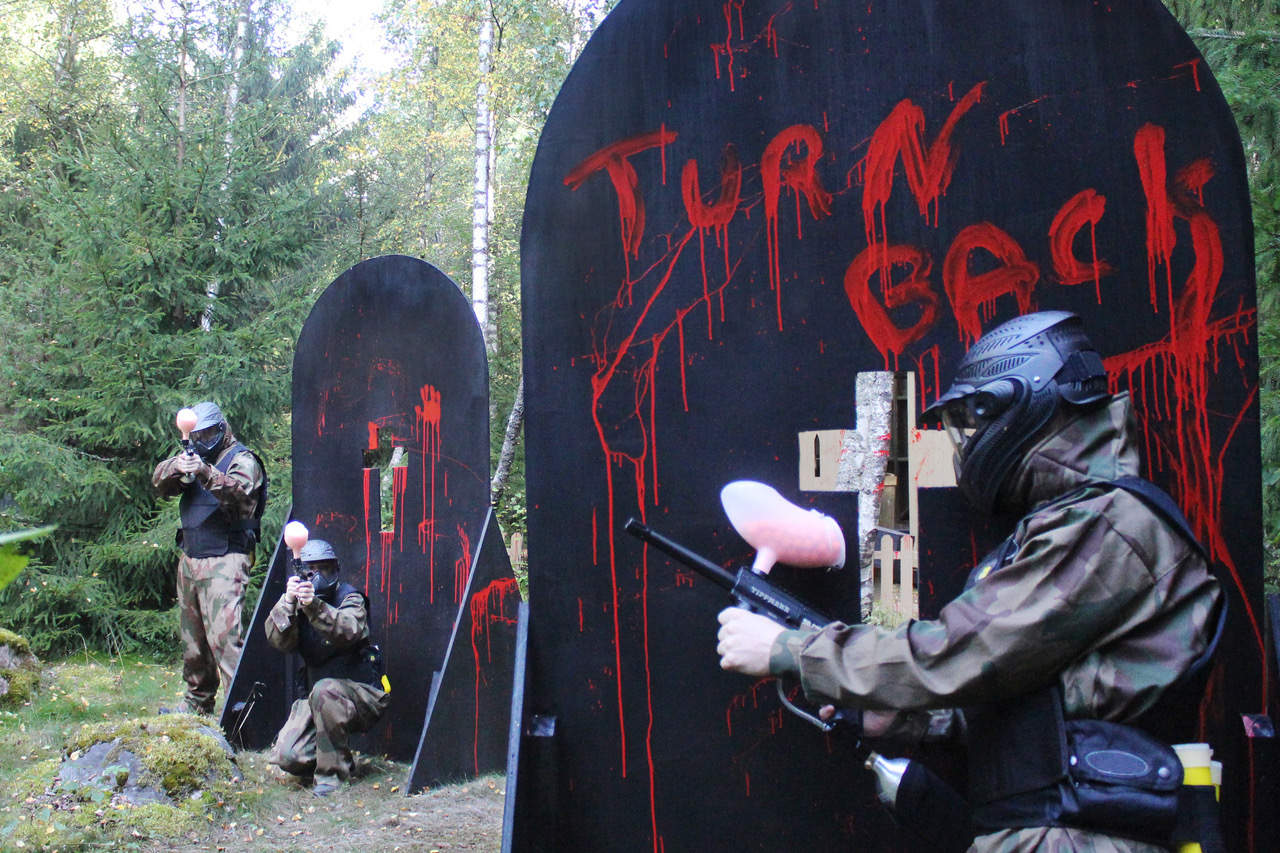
(207,531)
(322,659)
(1029,767)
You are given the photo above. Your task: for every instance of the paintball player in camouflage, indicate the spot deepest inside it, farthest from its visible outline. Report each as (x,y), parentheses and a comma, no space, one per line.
(1088,622)
(222,486)
(327,623)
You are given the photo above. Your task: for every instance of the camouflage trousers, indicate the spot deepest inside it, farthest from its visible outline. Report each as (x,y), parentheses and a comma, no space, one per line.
(1058,839)
(314,740)
(210,601)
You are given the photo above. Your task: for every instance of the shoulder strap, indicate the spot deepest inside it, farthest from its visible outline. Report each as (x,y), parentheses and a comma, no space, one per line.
(1159,500)
(254,522)
(262,490)
(224,462)
(1164,505)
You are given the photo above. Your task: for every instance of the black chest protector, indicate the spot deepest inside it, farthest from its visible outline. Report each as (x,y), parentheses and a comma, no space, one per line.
(322,659)
(207,530)
(1028,766)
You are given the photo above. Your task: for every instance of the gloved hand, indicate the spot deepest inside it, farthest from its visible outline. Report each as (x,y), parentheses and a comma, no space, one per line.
(290,596)
(188,463)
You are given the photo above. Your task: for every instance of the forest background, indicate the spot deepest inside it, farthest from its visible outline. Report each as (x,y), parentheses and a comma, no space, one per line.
(180,179)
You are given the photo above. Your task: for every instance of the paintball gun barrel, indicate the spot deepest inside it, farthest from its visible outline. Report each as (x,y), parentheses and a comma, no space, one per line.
(186,421)
(751,590)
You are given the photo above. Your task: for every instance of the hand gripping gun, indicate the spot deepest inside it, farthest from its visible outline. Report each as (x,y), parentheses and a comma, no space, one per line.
(186,421)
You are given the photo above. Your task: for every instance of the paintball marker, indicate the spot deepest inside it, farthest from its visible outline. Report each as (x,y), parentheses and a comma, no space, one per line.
(932,811)
(296,536)
(752,590)
(186,421)
(780,531)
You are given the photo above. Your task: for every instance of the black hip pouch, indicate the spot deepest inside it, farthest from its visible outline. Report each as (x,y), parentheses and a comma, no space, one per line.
(1121,780)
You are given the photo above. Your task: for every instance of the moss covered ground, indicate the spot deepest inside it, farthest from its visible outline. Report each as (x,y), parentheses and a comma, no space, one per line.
(87,699)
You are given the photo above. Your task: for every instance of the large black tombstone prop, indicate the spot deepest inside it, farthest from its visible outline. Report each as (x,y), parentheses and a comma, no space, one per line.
(735,208)
(391,355)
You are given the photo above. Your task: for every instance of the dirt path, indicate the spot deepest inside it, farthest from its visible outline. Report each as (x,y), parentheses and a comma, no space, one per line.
(370,816)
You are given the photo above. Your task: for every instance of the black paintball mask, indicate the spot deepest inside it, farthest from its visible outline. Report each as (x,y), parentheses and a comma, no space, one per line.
(210,430)
(320,567)
(1007,388)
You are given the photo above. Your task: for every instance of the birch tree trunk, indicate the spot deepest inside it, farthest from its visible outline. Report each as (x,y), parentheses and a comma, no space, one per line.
(515,421)
(228,143)
(480,190)
(182,91)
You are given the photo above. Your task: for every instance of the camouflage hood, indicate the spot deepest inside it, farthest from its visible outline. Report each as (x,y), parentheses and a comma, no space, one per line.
(228,441)
(1078,447)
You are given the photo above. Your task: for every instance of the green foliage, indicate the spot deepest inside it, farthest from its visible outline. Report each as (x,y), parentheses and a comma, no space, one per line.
(20,672)
(11,562)
(416,170)
(167,172)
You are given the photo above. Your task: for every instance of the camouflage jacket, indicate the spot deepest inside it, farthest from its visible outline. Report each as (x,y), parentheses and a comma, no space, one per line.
(344,626)
(238,491)
(1101,594)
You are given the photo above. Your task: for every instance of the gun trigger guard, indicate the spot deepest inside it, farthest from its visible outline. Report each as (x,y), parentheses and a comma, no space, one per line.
(800,712)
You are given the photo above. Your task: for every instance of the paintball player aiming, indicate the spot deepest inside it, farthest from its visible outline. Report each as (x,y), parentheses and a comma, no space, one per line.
(326,622)
(223,493)
(1084,633)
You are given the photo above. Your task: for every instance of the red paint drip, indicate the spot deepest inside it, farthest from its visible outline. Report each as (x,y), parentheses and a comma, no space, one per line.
(320,413)
(1003,120)
(1148,151)
(488,607)
(615,161)
(607,367)
(399,482)
(1194,65)
(746,701)
(970,294)
(715,216)
(1171,378)
(802,178)
(462,565)
(386,538)
(368,525)
(928,175)
(426,427)
(1194,176)
(1084,208)
(913,289)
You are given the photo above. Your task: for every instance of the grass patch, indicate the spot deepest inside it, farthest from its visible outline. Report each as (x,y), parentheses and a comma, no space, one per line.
(89,698)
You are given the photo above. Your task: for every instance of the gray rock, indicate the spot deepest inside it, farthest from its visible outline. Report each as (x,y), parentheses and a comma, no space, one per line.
(113,769)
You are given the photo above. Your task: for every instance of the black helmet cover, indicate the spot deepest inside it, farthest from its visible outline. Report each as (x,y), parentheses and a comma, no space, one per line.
(210,429)
(1007,387)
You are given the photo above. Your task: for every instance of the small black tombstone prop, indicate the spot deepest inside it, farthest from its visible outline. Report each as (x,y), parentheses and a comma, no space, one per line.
(391,466)
(737,206)
(468,711)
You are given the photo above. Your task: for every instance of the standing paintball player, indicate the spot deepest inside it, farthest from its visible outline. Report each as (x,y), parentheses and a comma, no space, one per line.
(326,622)
(1084,635)
(223,493)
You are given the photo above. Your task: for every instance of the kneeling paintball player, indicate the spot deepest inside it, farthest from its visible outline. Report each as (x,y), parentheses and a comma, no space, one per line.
(1085,634)
(326,622)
